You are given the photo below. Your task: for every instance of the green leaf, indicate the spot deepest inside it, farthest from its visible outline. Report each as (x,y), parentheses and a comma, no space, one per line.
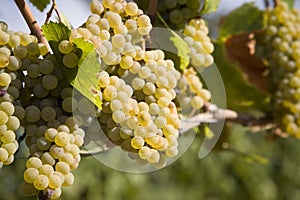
(86,81)
(182,50)
(210,6)
(208,132)
(56,31)
(83,78)
(172,44)
(289,2)
(40,4)
(241,95)
(245,19)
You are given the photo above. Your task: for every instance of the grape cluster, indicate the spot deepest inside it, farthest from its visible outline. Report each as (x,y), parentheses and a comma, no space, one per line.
(56,155)
(34,92)
(192,94)
(116,28)
(140,111)
(16,48)
(138,88)
(177,13)
(282,37)
(196,37)
(8,125)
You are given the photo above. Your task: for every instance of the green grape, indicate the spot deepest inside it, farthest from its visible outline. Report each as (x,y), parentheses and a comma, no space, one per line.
(56,193)
(56,151)
(170,4)
(70,60)
(69,179)
(131,9)
(4,61)
(176,16)
(25,39)
(43,48)
(4,38)
(34,162)
(7,107)
(41,182)
(13,123)
(109,93)
(14,63)
(20,52)
(33,49)
(62,167)
(49,81)
(30,175)
(32,114)
(3,154)
(43,144)
(5,79)
(62,139)
(118,116)
(3,117)
(46,66)
(46,170)
(55,181)
(11,148)
(69,104)
(96,7)
(65,47)
(172,151)
(114,19)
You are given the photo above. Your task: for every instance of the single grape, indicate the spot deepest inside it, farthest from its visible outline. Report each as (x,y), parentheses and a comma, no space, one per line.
(70,60)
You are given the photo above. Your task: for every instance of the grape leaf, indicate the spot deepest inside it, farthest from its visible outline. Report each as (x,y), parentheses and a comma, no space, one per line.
(208,132)
(56,31)
(86,81)
(289,2)
(245,19)
(83,78)
(242,48)
(40,4)
(182,50)
(241,95)
(172,44)
(210,6)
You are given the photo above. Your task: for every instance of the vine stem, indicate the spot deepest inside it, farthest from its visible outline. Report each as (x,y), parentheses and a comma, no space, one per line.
(31,22)
(267,4)
(212,115)
(276,2)
(49,13)
(152,9)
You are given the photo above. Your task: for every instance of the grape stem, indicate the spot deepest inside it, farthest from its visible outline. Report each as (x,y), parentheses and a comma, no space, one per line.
(212,114)
(31,22)
(267,4)
(94,151)
(49,13)
(152,9)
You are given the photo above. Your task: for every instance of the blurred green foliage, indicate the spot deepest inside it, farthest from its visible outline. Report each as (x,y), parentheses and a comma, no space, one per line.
(222,175)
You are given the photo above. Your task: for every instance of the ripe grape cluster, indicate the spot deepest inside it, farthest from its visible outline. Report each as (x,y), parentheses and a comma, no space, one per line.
(140,110)
(282,36)
(139,88)
(201,47)
(192,94)
(8,125)
(177,13)
(56,155)
(32,91)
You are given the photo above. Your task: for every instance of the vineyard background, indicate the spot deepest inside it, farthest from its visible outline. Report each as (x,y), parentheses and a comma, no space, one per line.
(254,166)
